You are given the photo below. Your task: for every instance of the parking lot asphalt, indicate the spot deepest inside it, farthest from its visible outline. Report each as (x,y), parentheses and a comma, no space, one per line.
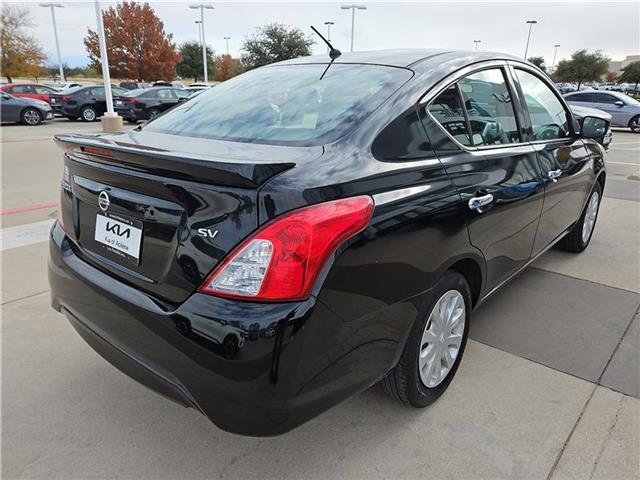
(549,386)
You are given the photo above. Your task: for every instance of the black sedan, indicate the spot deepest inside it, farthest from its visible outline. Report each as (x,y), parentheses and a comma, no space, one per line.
(148,103)
(23,110)
(309,229)
(86,102)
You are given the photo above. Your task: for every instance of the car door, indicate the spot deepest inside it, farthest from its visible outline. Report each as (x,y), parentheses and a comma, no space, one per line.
(9,109)
(564,161)
(613,105)
(166,99)
(496,171)
(97,100)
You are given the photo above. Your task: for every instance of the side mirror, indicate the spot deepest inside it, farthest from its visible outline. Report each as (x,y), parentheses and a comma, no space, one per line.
(594,128)
(619,103)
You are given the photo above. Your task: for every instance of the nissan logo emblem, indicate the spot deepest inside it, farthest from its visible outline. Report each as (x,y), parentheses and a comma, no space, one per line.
(103,201)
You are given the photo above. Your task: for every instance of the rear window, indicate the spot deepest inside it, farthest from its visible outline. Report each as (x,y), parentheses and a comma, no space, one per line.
(285,105)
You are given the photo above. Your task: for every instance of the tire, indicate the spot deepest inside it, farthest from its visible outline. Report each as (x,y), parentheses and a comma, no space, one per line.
(31,117)
(405,382)
(153,113)
(634,124)
(580,235)
(88,114)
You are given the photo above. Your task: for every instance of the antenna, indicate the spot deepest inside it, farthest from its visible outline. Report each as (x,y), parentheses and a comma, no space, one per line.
(333,52)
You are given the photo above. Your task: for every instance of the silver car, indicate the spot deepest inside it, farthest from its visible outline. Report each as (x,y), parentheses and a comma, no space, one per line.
(624,110)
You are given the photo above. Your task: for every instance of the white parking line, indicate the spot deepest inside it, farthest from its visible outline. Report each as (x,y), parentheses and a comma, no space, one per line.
(23,235)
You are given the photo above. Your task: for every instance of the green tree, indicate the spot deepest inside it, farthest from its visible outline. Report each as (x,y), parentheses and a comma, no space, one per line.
(273,43)
(582,67)
(21,54)
(191,64)
(538,62)
(631,74)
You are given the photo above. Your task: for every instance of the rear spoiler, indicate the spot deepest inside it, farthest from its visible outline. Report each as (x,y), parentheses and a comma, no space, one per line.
(155,161)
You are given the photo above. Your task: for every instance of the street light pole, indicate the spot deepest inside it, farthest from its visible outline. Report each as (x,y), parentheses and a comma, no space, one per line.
(111,122)
(227,40)
(53,6)
(328,24)
(555,53)
(531,24)
(477,42)
(199,23)
(201,7)
(353,7)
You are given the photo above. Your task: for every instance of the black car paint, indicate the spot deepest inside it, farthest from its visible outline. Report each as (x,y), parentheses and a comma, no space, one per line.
(301,358)
(76,99)
(150,100)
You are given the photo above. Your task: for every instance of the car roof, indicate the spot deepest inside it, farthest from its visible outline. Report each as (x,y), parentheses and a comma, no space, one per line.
(407,58)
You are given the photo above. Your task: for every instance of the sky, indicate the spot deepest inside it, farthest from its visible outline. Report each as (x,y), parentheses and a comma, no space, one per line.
(613,27)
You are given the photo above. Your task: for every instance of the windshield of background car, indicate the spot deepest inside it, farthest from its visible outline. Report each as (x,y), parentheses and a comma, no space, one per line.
(285,105)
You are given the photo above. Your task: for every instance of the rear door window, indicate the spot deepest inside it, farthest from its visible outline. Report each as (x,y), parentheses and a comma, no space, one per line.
(447,110)
(580,97)
(549,119)
(490,108)
(604,98)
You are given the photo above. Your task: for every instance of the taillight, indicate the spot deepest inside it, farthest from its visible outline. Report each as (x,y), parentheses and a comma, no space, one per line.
(64,98)
(132,101)
(282,260)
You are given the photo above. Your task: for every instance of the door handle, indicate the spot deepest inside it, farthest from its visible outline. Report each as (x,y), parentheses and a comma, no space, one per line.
(476,203)
(554,174)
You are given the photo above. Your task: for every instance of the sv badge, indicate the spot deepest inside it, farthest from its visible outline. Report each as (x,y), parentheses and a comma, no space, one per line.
(207,233)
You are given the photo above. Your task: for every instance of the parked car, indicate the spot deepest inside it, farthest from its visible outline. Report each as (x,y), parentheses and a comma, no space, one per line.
(87,103)
(580,113)
(145,104)
(624,110)
(60,86)
(28,90)
(363,207)
(24,110)
(194,90)
(133,85)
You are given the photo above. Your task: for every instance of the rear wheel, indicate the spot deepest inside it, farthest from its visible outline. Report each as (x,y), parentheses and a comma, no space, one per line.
(580,235)
(153,113)
(435,346)
(88,114)
(31,117)
(634,124)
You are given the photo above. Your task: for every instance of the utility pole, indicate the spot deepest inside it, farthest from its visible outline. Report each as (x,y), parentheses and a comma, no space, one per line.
(555,53)
(202,7)
(531,24)
(53,7)
(227,40)
(353,7)
(328,24)
(477,42)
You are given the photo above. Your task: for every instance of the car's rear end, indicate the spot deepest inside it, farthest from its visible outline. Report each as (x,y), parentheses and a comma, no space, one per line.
(131,106)
(66,102)
(170,262)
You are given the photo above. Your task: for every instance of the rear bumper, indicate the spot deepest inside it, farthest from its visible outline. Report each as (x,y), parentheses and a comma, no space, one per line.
(290,361)
(128,114)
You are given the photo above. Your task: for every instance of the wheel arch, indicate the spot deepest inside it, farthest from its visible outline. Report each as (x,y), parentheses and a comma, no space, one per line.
(471,270)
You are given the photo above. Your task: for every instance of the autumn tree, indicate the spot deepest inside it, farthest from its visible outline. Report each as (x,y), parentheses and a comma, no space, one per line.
(538,62)
(631,74)
(225,67)
(610,77)
(137,45)
(273,43)
(191,64)
(583,66)
(21,54)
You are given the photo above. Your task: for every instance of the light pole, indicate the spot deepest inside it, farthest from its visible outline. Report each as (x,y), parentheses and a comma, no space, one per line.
(531,24)
(477,42)
(353,7)
(53,6)
(227,40)
(328,24)
(199,23)
(201,7)
(111,122)
(555,53)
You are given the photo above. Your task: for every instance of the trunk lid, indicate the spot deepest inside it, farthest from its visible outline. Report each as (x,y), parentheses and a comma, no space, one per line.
(160,211)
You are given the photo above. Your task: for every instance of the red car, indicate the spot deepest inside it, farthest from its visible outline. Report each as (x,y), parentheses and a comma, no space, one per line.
(30,90)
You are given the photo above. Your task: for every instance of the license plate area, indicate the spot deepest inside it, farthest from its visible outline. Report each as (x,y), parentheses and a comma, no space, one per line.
(119,235)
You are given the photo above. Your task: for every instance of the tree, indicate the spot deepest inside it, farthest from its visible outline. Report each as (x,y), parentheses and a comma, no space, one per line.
(631,74)
(582,67)
(538,62)
(610,77)
(273,43)
(226,67)
(137,45)
(21,54)
(191,64)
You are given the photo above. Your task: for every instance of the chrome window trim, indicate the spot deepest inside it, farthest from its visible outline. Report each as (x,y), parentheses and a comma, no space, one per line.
(446,82)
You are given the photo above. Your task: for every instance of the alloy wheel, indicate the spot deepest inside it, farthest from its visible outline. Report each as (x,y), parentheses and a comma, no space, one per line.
(31,117)
(590,217)
(635,124)
(442,338)
(88,114)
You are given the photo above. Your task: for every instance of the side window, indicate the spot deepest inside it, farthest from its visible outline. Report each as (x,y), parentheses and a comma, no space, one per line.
(448,112)
(604,98)
(42,90)
(22,89)
(580,97)
(164,94)
(181,93)
(489,108)
(402,139)
(548,116)
(97,92)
